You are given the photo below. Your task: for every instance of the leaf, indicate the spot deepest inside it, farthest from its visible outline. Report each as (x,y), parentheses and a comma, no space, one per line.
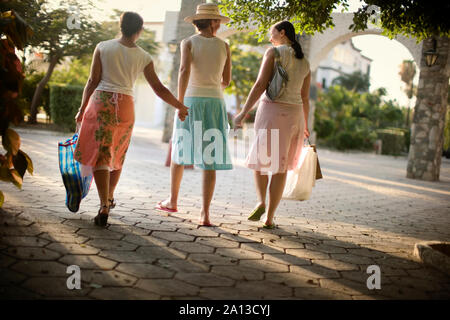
(30,167)
(20,163)
(11,141)
(16,178)
(2,199)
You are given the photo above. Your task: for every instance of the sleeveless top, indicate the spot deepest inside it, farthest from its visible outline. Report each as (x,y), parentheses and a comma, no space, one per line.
(208,59)
(297,69)
(120,66)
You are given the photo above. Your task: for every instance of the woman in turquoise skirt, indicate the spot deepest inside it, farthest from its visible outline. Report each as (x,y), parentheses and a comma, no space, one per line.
(201,140)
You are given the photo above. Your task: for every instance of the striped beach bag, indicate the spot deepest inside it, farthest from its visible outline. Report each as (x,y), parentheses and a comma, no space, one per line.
(77,187)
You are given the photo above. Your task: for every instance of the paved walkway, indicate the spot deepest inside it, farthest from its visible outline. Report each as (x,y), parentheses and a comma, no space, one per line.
(364,212)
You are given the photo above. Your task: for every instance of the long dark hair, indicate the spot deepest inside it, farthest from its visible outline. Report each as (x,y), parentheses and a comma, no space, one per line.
(289,30)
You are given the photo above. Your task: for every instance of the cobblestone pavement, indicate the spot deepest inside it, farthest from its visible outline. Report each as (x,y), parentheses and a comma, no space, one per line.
(364,212)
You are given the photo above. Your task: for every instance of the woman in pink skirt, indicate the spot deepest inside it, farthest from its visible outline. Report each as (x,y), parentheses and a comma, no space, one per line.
(280,125)
(106,115)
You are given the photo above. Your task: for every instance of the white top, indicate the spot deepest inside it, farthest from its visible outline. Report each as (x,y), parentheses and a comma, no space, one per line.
(297,70)
(120,66)
(208,60)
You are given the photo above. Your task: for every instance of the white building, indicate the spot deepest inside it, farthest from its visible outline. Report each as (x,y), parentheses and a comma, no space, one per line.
(344,58)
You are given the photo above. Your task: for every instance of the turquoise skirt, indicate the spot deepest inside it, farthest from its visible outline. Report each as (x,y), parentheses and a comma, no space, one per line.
(202,138)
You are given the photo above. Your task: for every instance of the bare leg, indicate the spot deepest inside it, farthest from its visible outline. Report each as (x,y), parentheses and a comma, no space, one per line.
(277,183)
(113,180)
(261,182)
(209,183)
(102,182)
(176,175)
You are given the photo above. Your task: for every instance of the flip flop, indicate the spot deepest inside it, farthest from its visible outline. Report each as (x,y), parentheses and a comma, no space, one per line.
(269,226)
(256,214)
(207,225)
(159,206)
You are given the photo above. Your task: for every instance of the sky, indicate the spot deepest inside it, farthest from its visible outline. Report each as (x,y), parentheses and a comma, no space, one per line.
(385,62)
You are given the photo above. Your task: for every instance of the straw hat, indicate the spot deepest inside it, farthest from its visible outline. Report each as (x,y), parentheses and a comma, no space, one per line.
(207,11)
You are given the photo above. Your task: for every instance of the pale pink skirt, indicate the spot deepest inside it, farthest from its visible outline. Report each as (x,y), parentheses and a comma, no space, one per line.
(279,133)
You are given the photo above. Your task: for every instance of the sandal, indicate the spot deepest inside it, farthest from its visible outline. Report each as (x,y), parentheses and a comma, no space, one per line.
(112,203)
(256,214)
(102,218)
(269,226)
(159,206)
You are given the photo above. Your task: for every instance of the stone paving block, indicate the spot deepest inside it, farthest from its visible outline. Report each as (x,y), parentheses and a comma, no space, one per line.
(264,289)
(217,242)
(367,253)
(127,256)
(167,287)
(145,241)
(345,286)
(264,265)
(14,292)
(238,272)
(239,253)
(111,245)
(64,238)
(191,247)
(179,265)
(41,268)
(172,236)
(53,287)
(32,253)
(88,262)
(122,294)
(96,278)
(212,259)
(55,228)
(19,231)
(415,283)
(258,235)
(10,277)
(80,223)
(224,293)
(6,261)
(239,227)
(402,293)
(161,253)
(100,233)
(284,243)
(398,263)
(307,254)
(145,270)
(198,232)
(261,248)
(129,230)
(325,248)
(315,272)
(156,226)
(23,241)
(73,248)
(239,238)
(291,280)
(320,294)
(286,259)
(9,221)
(204,279)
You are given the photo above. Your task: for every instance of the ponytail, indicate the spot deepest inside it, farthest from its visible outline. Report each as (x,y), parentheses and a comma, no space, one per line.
(290,34)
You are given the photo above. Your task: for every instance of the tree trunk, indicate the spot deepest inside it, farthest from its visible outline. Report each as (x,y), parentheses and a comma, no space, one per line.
(40,88)
(184,30)
(427,128)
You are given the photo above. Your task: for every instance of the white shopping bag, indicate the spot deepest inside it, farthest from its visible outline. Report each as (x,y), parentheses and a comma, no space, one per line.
(300,181)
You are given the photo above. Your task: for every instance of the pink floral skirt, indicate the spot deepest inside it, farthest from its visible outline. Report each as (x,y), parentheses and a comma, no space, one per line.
(105,131)
(279,133)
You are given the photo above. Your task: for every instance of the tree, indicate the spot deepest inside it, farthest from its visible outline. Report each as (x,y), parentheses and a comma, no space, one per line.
(407,73)
(66,31)
(420,19)
(356,81)
(245,64)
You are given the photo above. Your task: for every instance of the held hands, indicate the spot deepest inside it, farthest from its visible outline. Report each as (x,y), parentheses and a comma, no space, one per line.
(183,112)
(237,121)
(79,115)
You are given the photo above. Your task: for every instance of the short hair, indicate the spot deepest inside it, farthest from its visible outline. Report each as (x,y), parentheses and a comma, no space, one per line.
(202,23)
(130,23)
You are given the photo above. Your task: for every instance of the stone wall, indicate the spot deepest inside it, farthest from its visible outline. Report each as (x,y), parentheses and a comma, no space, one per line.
(427,129)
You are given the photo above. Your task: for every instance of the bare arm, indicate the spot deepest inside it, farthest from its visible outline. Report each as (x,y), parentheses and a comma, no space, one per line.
(305,100)
(92,83)
(265,73)
(162,92)
(226,74)
(185,68)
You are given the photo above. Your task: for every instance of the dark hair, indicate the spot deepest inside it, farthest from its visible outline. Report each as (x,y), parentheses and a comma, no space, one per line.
(290,34)
(130,23)
(202,23)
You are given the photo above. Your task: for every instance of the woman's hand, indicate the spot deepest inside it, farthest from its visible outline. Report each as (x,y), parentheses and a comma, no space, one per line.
(237,121)
(79,116)
(306,132)
(183,112)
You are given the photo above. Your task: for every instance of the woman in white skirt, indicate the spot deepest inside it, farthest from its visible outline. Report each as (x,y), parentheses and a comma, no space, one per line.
(201,140)
(280,125)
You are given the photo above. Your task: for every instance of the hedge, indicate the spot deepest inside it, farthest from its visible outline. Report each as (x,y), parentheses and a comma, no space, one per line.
(393,141)
(65,100)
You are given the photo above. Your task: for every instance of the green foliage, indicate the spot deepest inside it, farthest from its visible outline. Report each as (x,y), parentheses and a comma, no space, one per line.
(65,101)
(245,64)
(77,73)
(356,81)
(393,140)
(347,119)
(29,86)
(420,19)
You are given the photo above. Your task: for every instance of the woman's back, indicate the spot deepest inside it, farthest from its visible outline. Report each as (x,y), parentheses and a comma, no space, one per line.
(297,70)
(120,66)
(208,60)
